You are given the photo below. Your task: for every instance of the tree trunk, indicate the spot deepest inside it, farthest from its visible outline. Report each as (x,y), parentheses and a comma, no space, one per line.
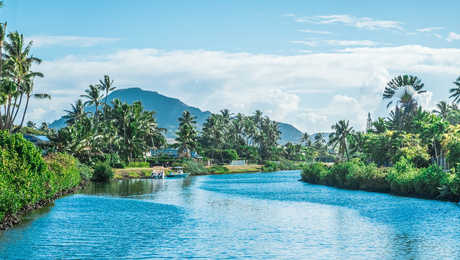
(25,111)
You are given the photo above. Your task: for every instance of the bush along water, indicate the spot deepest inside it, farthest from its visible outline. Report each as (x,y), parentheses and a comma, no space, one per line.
(401,179)
(102,172)
(27,180)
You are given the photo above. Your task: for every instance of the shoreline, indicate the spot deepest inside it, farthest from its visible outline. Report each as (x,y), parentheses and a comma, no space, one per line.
(144,173)
(11,220)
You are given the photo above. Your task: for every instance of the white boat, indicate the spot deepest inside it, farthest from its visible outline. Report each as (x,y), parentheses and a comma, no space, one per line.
(177,172)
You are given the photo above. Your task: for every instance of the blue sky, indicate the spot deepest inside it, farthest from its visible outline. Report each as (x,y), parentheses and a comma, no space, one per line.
(302,62)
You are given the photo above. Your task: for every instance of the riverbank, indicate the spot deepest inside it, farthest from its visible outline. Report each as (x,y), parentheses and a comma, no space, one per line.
(10,220)
(145,172)
(28,180)
(402,179)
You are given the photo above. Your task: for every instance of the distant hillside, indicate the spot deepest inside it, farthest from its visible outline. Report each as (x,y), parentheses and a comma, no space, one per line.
(168,110)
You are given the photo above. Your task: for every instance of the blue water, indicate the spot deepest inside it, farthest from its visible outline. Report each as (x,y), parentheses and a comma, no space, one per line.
(261,216)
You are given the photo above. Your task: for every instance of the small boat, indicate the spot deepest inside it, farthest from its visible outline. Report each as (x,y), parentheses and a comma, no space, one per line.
(177,172)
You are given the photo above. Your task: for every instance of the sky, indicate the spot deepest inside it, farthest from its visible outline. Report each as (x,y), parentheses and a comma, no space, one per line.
(308,63)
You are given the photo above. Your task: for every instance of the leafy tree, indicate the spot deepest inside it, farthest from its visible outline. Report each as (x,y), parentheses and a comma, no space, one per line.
(187,135)
(340,137)
(442,109)
(106,85)
(16,78)
(455,92)
(93,96)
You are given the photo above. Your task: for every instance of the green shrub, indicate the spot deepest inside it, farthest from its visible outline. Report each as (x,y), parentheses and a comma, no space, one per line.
(25,177)
(271,166)
(195,168)
(138,165)
(65,171)
(219,169)
(86,173)
(313,173)
(115,161)
(102,172)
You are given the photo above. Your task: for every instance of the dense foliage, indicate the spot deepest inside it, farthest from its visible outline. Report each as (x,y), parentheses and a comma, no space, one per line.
(402,179)
(102,172)
(418,151)
(226,137)
(26,178)
(118,133)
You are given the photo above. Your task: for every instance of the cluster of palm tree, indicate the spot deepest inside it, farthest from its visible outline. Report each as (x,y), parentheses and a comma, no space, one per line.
(252,137)
(16,79)
(118,130)
(405,118)
(187,135)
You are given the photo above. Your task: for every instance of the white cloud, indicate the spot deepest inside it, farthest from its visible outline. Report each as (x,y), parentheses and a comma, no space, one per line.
(73,41)
(453,37)
(311,91)
(314,43)
(314,31)
(358,22)
(430,29)
(307,43)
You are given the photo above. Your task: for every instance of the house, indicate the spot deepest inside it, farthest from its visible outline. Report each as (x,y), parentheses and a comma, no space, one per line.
(172,152)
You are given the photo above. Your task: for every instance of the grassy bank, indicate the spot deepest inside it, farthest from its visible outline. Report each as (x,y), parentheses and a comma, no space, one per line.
(193,168)
(402,179)
(27,180)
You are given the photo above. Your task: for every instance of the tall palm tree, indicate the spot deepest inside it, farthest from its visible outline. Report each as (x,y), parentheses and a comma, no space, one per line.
(306,139)
(442,109)
(187,134)
(2,40)
(18,62)
(28,88)
(75,113)
(455,92)
(94,98)
(342,130)
(106,85)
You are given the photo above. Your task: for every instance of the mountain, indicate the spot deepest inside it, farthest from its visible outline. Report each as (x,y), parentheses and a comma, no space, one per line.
(168,110)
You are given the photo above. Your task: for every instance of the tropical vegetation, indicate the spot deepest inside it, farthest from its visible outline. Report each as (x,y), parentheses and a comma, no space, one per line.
(411,152)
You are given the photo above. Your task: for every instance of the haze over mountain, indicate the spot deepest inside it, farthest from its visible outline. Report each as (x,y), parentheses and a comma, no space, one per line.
(168,110)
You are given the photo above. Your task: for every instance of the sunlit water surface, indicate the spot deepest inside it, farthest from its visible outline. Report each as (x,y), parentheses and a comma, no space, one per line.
(262,215)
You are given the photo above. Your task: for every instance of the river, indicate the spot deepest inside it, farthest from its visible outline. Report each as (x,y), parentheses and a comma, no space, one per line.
(260,215)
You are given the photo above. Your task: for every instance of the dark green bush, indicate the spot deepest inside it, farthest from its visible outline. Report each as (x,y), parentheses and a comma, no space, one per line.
(115,161)
(313,173)
(25,177)
(219,169)
(65,171)
(403,179)
(102,172)
(195,168)
(86,172)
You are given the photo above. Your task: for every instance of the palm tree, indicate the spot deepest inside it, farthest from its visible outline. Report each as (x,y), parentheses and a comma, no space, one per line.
(18,64)
(76,113)
(106,86)
(442,109)
(2,40)
(339,137)
(187,134)
(94,98)
(28,88)
(455,92)
(410,85)
(306,139)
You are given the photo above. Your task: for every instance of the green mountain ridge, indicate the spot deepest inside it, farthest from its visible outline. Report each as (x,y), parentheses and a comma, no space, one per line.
(168,110)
